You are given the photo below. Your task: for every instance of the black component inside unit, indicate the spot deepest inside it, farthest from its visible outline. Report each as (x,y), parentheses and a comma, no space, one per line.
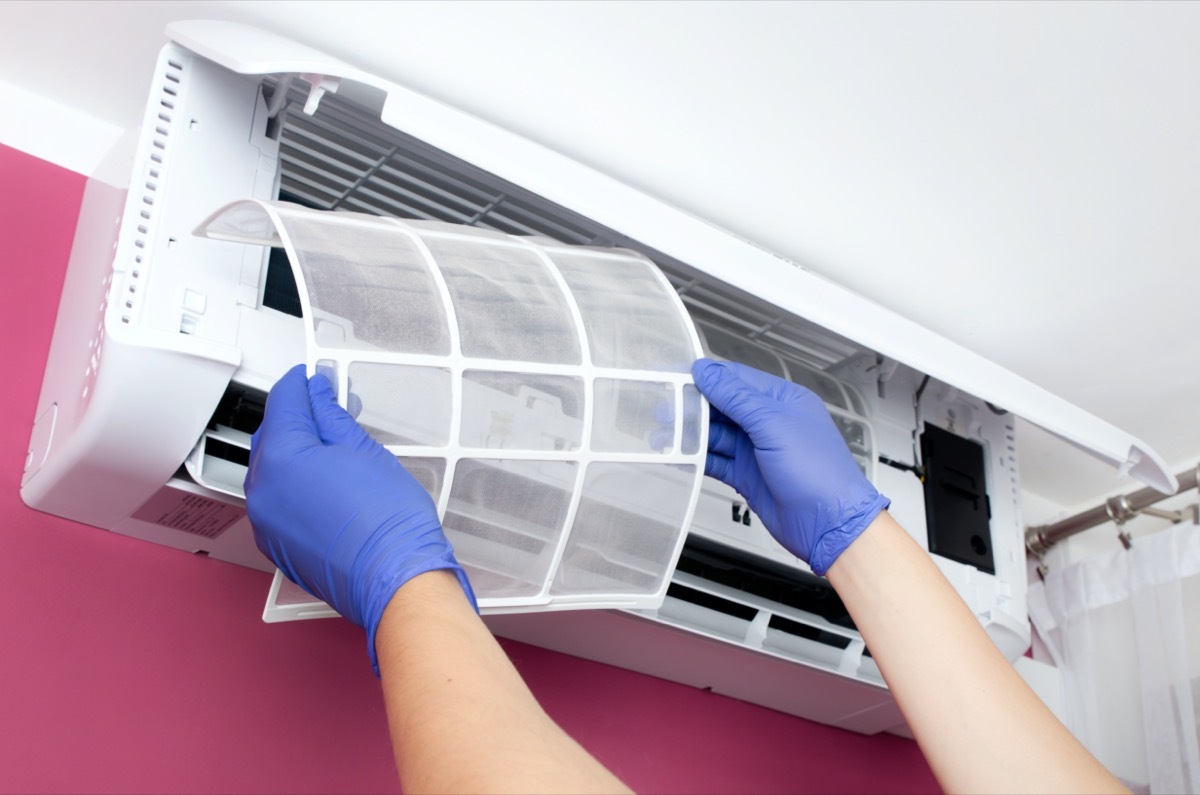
(957,509)
(781,624)
(763,578)
(228,452)
(280,291)
(707,600)
(240,408)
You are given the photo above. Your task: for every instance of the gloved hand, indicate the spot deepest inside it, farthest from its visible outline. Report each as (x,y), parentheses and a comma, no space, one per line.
(775,442)
(334,510)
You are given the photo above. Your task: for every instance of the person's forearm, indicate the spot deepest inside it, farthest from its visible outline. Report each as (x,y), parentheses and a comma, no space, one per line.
(461,718)
(979,725)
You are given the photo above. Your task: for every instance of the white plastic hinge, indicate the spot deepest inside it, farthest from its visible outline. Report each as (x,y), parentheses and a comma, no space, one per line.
(319,84)
(852,658)
(756,633)
(887,369)
(1133,459)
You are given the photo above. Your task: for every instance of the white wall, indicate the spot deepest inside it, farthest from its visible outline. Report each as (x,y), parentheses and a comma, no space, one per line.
(53,132)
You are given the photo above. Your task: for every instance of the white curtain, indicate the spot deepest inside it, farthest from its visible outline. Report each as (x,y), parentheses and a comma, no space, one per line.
(1125,630)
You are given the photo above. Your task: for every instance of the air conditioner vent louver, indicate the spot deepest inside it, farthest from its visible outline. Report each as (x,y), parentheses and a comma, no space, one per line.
(340,158)
(757,578)
(339,162)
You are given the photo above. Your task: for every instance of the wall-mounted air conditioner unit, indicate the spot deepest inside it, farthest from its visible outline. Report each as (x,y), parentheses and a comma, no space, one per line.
(166,344)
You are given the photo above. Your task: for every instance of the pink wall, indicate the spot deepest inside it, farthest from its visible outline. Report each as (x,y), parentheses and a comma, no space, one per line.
(135,668)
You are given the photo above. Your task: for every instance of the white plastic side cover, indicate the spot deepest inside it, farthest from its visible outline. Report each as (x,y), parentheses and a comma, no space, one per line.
(715,251)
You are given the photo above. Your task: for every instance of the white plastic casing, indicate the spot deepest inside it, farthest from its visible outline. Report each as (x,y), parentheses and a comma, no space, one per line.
(145,340)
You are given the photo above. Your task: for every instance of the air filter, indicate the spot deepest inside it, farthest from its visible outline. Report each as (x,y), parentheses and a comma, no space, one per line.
(541,392)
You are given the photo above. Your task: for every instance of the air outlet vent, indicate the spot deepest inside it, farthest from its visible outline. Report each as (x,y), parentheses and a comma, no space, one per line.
(711,602)
(763,579)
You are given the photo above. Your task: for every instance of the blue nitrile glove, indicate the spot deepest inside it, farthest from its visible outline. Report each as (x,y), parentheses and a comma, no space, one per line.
(775,442)
(334,510)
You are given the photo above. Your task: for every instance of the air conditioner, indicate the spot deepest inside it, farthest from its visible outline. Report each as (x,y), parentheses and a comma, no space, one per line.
(166,343)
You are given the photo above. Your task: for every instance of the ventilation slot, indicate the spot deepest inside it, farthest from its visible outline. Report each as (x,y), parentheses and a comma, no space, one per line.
(96,343)
(813,643)
(763,579)
(172,83)
(711,602)
(715,615)
(226,452)
(804,642)
(786,626)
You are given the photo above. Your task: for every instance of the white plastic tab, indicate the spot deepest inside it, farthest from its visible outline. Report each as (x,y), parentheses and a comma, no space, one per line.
(318,85)
(287,601)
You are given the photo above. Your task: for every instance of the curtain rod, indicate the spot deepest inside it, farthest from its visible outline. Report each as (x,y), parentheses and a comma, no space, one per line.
(1116,509)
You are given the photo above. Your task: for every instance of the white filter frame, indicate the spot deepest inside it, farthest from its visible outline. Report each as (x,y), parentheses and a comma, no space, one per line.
(266,223)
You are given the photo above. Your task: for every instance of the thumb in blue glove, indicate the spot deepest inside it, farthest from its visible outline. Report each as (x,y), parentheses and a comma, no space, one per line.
(334,510)
(775,443)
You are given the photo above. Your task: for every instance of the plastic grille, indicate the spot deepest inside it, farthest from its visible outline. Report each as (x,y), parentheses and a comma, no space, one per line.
(342,158)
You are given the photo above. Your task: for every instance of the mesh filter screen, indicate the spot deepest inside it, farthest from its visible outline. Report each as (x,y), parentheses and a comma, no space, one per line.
(403,404)
(371,284)
(624,534)
(630,320)
(505,519)
(541,393)
(632,416)
(507,302)
(429,472)
(523,411)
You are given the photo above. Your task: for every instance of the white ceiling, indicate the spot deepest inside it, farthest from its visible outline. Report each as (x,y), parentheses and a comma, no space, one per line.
(1023,178)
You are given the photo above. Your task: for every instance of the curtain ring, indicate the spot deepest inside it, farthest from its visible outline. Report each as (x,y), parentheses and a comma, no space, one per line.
(1119,510)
